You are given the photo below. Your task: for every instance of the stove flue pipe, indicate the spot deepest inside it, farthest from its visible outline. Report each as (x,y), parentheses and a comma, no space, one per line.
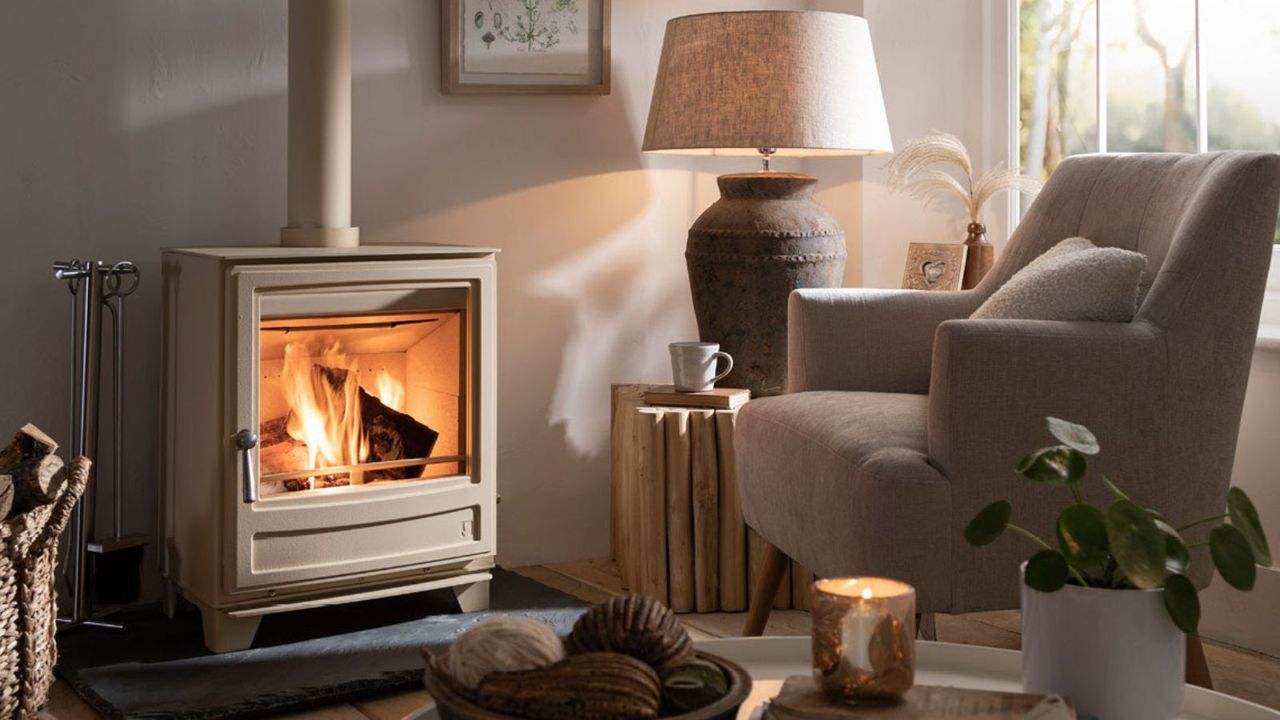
(320,125)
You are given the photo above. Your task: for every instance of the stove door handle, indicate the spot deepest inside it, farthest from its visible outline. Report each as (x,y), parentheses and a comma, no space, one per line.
(246,441)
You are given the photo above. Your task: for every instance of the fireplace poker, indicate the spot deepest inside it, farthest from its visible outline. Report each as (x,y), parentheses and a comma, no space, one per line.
(101,572)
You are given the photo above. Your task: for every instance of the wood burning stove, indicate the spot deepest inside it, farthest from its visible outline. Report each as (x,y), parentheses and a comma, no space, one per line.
(328,428)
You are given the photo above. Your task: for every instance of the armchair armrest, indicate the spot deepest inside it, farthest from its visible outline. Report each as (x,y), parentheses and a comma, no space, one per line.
(872,340)
(994,381)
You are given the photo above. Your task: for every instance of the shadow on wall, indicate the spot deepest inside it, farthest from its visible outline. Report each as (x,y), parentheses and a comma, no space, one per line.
(146,126)
(591,268)
(125,131)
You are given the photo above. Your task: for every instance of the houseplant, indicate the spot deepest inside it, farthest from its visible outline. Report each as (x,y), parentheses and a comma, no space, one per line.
(1104,612)
(918,171)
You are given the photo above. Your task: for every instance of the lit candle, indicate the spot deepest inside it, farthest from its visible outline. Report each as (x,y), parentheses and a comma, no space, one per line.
(863,638)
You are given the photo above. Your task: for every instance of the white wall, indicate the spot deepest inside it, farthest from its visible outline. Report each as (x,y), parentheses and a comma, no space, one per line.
(937,63)
(131,125)
(1248,619)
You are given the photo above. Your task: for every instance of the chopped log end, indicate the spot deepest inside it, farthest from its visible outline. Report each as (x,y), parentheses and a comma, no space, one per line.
(6,496)
(36,482)
(30,442)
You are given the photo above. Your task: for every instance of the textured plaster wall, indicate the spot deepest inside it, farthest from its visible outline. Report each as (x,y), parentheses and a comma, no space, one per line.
(131,125)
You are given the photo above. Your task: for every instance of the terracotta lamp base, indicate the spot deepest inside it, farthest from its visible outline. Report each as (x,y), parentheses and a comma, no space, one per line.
(762,239)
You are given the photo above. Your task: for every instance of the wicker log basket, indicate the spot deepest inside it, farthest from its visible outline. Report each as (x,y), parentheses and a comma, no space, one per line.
(453,702)
(28,598)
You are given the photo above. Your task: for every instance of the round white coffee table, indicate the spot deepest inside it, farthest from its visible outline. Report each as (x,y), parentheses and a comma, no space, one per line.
(771,660)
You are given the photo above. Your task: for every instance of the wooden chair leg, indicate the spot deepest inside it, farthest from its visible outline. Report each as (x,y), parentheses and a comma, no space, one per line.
(1197,665)
(926,626)
(766,589)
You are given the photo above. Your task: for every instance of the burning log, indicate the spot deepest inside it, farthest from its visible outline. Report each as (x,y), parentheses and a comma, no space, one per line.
(392,435)
(29,472)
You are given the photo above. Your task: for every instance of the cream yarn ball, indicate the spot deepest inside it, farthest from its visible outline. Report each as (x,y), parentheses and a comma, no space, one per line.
(503,644)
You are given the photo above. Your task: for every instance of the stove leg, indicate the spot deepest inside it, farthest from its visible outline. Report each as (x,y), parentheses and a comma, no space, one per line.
(224,633)
(473,597)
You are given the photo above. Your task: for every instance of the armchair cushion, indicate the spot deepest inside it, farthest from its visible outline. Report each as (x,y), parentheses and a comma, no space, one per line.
(1073,280)
(868,340)
(841,483)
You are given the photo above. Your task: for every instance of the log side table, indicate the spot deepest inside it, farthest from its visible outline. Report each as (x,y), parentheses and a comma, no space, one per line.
(676,522)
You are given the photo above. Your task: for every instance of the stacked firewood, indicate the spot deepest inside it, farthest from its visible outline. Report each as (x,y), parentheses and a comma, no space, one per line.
(30,473)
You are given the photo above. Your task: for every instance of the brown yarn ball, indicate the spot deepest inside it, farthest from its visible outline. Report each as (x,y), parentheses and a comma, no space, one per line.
(502,644)
(589,686)
(635,625)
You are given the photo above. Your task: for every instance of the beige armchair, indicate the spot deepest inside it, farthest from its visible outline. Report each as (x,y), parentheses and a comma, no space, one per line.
(903,418)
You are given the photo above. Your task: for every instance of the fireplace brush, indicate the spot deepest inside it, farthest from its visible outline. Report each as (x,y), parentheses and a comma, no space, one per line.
(102,572)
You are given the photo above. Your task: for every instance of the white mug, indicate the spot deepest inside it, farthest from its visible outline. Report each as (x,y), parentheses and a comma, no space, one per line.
(693,365)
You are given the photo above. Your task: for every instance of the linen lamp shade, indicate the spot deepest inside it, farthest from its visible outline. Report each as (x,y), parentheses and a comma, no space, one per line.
(768,82)
(800,83)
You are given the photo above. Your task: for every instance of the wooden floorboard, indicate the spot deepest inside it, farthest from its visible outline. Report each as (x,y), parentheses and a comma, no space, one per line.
(1235,671)
(394,707)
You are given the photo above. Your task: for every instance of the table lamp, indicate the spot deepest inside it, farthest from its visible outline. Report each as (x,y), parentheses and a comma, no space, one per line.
(772,83)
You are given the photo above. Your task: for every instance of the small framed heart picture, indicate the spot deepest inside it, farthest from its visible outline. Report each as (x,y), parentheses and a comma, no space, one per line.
(934,266)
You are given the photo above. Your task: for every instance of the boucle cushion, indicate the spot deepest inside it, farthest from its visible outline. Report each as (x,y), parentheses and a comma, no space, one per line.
(1073,280)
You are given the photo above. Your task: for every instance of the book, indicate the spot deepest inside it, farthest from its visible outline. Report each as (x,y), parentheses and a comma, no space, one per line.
(715,398)
(800,699)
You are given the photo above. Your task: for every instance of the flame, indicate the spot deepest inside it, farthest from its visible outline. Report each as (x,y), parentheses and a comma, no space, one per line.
(324,404)
(389,391)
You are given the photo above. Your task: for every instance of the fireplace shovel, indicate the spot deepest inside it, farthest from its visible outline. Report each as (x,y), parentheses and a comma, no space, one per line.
(102,573)
(115,564)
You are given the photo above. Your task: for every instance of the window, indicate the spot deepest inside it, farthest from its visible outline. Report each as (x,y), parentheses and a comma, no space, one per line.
(1146,75)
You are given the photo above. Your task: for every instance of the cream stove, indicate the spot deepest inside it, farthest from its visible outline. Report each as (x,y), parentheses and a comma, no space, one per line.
(327,428)
(328,408)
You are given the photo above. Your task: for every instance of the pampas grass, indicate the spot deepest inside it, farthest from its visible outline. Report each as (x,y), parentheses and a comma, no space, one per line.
(912,172)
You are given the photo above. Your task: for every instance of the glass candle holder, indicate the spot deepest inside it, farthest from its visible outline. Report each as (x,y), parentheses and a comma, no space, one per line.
(864,633)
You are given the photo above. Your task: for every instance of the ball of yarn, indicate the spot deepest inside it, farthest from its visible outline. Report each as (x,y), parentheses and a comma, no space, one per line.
(503,644)
(634,625)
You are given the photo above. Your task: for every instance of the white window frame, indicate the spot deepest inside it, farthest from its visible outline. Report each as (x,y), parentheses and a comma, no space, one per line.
(1003,59)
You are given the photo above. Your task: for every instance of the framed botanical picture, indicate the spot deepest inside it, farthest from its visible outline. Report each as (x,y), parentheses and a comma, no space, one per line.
(524,47)
(934,266)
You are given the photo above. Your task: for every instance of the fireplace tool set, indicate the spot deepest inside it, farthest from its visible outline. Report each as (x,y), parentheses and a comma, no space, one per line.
(101,573)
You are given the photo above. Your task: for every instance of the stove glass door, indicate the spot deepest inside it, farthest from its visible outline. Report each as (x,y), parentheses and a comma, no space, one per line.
(348,401)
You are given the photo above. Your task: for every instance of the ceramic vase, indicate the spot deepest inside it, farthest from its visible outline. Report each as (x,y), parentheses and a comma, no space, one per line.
(763,238)
(1115,654)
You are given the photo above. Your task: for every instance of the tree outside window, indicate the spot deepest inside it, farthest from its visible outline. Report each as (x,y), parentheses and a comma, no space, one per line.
(1152,52)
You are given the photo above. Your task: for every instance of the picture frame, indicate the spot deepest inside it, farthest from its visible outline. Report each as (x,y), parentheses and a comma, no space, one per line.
(934,266)
(486,48)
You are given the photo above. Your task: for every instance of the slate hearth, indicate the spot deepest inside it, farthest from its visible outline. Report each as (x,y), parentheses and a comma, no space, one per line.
(159,668)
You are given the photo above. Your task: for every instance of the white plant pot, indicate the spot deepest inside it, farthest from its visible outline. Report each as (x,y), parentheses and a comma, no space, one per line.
(1115,654)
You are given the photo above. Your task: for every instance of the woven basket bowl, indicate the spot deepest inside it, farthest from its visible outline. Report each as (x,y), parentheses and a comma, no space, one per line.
(28,601)
(452,704)
(23,686)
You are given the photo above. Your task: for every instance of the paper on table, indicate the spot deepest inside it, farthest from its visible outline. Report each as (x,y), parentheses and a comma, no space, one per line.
(801,700)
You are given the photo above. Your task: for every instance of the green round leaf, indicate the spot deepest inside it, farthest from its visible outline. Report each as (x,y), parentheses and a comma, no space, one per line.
(1176,557)
(1233,557)
(1182,602)
(1244,516)
(1161,523)
(1082,535)
(1046,571)
(1076,437)
(988,524)
(1136,544)
(1057,465)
